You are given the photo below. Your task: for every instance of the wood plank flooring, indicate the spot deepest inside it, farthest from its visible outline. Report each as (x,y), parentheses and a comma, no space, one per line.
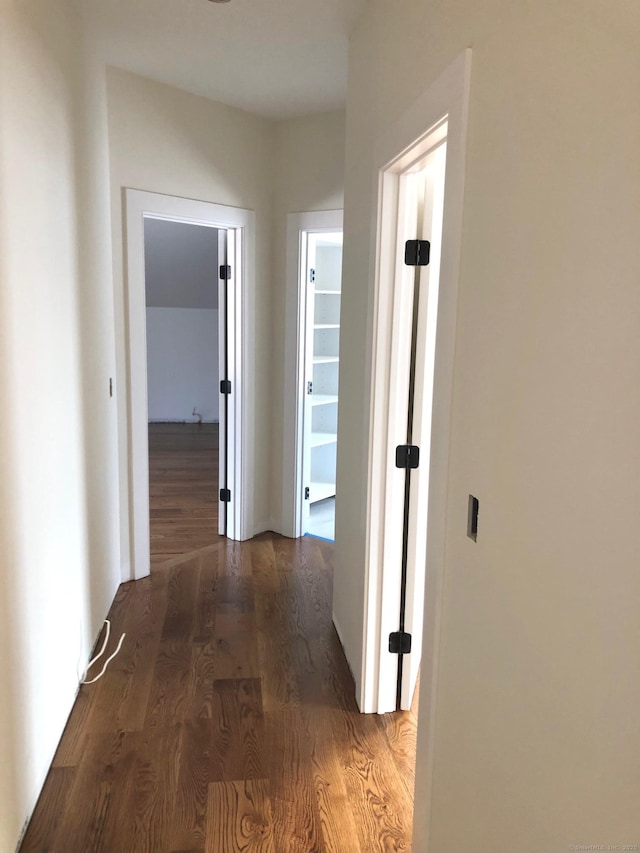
(227,724)
(183,488)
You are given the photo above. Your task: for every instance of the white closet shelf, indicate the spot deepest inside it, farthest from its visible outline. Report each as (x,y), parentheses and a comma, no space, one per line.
(323,399)
(321,491)
(318,439)
(325,359)
(327,326)
(328,292)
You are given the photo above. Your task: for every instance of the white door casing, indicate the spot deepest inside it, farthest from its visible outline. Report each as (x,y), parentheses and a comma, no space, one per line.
(240,229)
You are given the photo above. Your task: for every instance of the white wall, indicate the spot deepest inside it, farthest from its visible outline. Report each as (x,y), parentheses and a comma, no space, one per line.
(181,282)
(180,264)
(58,461)
(309,175)
(536,723)
(167,141)
(182,364)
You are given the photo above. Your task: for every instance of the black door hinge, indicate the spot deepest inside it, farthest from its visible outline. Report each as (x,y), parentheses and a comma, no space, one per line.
(399,643)
(312,276)
(309,387)
(407,456)
(225,495)
(225,272)
(416,253)
(306,493)
(225,386)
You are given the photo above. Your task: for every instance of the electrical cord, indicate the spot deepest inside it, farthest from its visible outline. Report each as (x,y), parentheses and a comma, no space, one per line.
(100,653)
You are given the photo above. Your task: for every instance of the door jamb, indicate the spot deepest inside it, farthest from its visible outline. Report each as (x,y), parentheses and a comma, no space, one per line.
(139,204)
(295,314)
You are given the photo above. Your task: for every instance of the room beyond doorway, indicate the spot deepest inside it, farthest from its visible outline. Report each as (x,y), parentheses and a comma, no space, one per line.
(183,487)
(320,286)
(314,272)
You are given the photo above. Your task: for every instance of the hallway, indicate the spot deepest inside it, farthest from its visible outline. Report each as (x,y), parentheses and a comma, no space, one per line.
(227,722)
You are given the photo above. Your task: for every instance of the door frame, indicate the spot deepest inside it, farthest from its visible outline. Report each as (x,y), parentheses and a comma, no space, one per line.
(398,223)
(411,188)
(138,206)
(298,224)
(445,99)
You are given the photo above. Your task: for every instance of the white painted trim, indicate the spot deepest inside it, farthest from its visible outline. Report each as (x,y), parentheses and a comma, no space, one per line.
(447,98)
(241,224)
(294,396)
(222,400)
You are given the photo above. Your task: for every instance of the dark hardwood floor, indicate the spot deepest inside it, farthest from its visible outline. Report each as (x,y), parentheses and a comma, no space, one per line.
(183,488)
(228,722)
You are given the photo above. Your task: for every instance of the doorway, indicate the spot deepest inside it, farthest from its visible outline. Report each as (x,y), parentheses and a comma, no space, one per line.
(321,279)
(183,381)
(314,274)
(236,233)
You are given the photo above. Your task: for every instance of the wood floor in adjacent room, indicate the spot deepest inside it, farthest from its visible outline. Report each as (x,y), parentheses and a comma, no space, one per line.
(183,488)
(227,722)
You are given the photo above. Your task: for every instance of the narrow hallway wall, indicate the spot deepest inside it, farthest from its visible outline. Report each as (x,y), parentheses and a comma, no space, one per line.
(536,718)
(58,499)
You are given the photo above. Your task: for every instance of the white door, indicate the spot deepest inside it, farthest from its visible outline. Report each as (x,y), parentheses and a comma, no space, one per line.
(430,198)
(229,324)
(404,505)
(226,387)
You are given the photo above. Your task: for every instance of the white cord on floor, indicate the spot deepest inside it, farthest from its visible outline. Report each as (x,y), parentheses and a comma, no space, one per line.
(100,653)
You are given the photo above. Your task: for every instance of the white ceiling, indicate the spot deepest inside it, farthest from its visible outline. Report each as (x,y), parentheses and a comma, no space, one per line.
(276,58)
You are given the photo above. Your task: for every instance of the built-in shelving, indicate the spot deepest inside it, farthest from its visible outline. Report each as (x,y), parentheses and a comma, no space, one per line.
(324,399)
(321,491)
(324,331)
(318,439)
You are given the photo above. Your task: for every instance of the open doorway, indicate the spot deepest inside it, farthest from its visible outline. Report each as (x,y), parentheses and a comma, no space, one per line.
(236,239)
(183,380)
(314,283)
(321,277)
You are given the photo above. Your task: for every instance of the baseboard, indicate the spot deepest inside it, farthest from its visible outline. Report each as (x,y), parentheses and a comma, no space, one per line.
(353,678)
(39,788)
(187,421)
